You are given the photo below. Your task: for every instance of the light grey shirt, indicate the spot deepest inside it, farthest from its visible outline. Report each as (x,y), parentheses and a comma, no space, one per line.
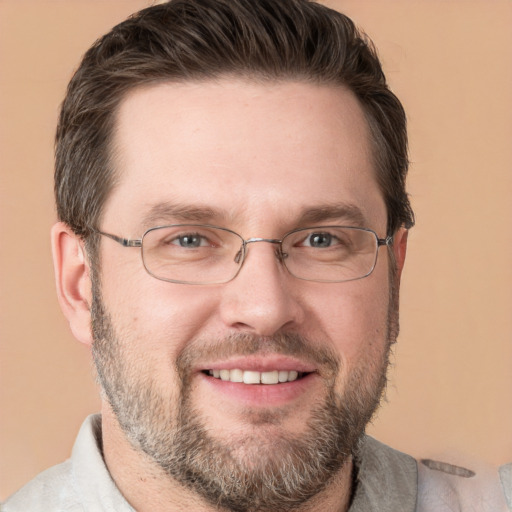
(506,482)
(387,481)
(81,484)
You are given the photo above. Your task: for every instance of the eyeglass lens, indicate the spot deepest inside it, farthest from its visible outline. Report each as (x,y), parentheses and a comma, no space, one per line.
(199,254)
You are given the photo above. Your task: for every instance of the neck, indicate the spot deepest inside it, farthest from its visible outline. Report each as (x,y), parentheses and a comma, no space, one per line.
(147,487)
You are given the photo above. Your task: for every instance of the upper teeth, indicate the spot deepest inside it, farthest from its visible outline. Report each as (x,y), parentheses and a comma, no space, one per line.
(251,377)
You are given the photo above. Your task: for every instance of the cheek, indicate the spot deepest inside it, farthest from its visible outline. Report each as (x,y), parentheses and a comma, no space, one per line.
(354,317)
(154,318)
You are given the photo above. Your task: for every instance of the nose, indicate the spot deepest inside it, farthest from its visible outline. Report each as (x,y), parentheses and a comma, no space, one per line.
(263,299)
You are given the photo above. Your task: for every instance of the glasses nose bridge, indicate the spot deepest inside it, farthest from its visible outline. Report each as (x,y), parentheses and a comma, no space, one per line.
(268,240)
(275,241)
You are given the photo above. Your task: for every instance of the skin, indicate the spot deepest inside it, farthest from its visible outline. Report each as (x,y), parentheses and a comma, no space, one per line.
(258,155)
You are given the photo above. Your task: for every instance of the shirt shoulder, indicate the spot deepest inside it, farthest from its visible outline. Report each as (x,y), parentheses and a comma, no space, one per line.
(392,481)
(51,490)
(81,484)
(444,487)
(506,482)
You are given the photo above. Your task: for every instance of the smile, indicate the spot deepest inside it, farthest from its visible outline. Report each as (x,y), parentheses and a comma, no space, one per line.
(254,377)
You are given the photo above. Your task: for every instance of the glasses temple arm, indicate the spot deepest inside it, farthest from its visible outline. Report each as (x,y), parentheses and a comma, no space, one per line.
(125,242)
(385,241)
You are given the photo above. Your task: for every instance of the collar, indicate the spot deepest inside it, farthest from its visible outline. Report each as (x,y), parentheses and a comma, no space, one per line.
(387,480)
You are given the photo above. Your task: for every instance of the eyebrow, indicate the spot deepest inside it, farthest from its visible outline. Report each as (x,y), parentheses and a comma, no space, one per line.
(162,213)
(346,212)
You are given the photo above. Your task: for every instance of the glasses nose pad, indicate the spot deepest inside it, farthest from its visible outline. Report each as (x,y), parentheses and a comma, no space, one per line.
(280,255)
(239,254)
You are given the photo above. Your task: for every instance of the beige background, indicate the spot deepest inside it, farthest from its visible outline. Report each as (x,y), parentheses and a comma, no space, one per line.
(451,388)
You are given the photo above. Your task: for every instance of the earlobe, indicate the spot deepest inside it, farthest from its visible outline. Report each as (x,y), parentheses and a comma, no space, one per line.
(72,279)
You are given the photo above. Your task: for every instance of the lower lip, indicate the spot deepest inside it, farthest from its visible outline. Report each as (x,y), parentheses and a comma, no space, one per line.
(261,395)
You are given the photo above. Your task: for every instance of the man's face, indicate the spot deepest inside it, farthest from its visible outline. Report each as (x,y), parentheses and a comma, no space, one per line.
(261,160)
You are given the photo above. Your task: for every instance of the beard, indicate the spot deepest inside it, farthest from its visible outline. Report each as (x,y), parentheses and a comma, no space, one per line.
(266,469)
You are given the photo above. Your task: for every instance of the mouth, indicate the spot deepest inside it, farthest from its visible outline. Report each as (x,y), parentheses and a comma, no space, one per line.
(259,380)
(270,378)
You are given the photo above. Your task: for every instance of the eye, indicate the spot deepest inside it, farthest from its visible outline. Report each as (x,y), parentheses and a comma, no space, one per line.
(320,240)
(189,241)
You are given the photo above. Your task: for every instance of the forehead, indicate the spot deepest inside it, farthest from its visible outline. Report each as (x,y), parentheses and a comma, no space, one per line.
(247,152)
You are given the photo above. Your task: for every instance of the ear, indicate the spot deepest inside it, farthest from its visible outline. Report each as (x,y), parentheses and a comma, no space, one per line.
(73,282)
(399,250)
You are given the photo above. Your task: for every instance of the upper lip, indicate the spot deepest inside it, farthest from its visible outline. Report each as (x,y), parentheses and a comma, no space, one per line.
(259,363)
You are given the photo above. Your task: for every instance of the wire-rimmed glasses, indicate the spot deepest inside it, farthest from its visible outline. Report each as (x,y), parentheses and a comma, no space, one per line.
(206,254)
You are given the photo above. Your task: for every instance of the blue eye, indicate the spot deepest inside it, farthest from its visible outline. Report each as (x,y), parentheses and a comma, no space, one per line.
(189,241)
(319,240)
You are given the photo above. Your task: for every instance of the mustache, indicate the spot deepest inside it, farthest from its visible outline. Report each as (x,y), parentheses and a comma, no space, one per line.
(245,344)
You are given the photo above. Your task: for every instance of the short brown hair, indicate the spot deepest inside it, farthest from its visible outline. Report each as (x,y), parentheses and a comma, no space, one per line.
(186,40)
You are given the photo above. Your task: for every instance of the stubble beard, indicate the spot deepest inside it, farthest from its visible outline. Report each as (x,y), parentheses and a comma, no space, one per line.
(252,473)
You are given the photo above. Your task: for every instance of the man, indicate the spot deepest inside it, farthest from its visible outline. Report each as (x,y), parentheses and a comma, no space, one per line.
(253,155)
